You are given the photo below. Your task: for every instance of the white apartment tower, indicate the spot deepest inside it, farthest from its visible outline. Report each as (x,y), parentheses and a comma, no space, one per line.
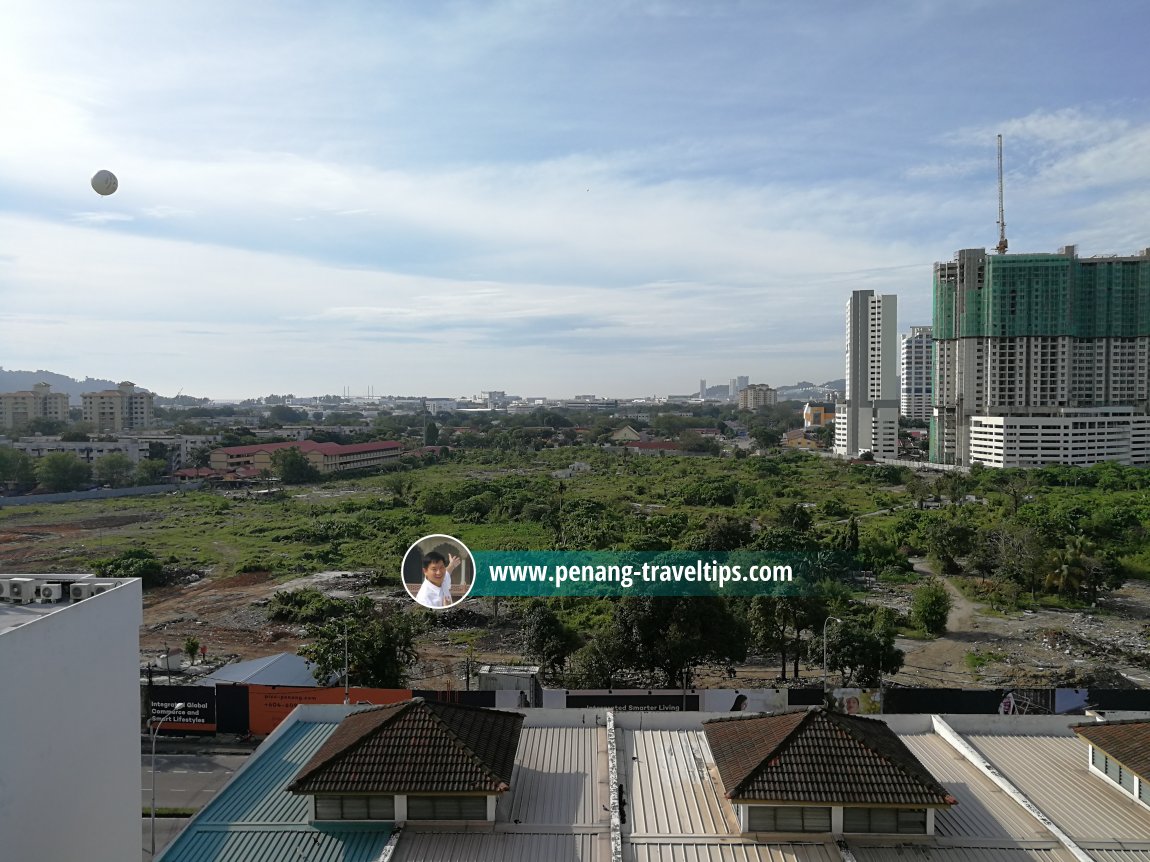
(915,384)
(867,419)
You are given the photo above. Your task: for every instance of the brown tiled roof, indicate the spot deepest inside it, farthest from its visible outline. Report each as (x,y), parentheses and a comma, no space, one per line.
(415,747)
(819,757)
(1128,742)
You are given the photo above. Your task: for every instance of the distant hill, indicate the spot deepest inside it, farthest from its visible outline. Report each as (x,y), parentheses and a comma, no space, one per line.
(19,381)
(805,390)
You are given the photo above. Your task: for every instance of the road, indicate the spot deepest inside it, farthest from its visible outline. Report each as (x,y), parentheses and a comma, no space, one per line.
(182,781)
(186,780)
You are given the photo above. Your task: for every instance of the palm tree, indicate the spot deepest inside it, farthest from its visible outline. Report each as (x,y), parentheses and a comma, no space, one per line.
(1070,566)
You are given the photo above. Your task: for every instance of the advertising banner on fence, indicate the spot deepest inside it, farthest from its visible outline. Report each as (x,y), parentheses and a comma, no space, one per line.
(624,699)
(857,701)
(196,708)
(268,705)
(744,700)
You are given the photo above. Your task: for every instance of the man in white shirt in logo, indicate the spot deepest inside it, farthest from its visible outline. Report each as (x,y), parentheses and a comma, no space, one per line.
(435,591)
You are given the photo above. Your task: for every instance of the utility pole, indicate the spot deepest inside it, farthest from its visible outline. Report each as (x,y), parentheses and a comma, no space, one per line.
(346,685)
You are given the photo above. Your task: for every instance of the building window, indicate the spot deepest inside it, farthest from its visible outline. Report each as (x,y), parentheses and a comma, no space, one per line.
(788,818)
(447,808)
(893,821)
(355,808)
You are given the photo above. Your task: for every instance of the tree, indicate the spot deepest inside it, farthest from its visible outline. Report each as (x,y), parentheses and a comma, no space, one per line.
(946,540)
(191,648)
(665,638)
(47,427)
(113,469)
(431,435)
(400,485)
(380,647)
(863,650)
(133,563)
(17,469)
(293,467)
(281,414)
(930,607)
(62,471)
(150,471)
(545,638)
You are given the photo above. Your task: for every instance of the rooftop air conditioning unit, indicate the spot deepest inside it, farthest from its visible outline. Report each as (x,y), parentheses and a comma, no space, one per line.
(49,593)
(5,587)
(103,586)
(81,591)
(22,591)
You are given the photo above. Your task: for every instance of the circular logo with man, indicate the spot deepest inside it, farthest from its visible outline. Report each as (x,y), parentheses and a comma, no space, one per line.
(438,571)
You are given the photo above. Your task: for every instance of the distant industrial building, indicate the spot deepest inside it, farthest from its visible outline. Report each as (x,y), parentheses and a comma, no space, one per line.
(325,457)
(867,419)
(915,379)
(1041,358)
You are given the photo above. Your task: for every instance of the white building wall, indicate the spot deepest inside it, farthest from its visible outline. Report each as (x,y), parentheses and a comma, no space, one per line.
(1079,437)
(868,419)
(915,379)
(70,725)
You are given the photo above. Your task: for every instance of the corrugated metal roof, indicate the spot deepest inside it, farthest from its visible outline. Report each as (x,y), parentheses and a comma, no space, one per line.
(1052,771)
(557,775)
(500,847)
(278,844)
(715,851)
(983,810)
(283,669)
(255,819)
(672,785)
(1120,855)
(923,852)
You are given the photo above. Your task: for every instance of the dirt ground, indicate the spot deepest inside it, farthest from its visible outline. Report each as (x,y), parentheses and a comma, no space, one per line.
(1106,647)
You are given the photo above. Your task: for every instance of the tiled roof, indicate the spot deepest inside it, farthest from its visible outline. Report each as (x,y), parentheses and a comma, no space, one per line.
(1128,742)
(416,747)
(819,757)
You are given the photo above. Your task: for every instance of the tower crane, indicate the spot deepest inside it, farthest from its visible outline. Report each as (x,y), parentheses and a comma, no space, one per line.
(1001,247)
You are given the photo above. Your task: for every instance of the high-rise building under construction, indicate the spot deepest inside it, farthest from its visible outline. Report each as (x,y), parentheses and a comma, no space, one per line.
(1041,358)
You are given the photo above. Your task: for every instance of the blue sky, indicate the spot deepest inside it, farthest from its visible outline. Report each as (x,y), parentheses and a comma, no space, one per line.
(546,197)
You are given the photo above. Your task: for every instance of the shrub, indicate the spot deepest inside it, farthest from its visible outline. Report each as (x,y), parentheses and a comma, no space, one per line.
(930,607)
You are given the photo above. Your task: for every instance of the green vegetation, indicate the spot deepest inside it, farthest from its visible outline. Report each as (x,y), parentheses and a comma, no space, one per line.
(379,647)
(975,659)
(1057,535)
(930,607)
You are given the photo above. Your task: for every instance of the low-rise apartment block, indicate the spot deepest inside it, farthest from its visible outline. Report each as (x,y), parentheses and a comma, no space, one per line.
(120,409)
(757,395)
(17,409)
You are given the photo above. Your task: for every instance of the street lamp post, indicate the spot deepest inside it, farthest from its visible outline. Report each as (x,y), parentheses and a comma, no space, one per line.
(827,620)
(346,683)
(155,732)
